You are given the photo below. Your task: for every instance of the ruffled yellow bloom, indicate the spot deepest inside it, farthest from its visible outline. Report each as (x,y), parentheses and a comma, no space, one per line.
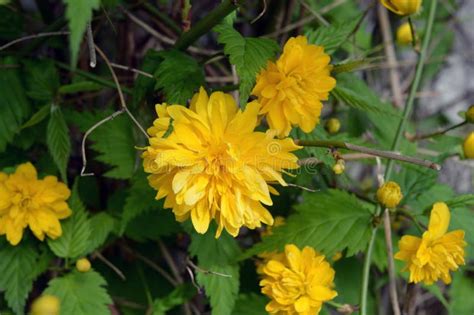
(213,165)
(291,90)
(404,34)
(45,305)
(299,283)
(26,200)
(402,7)
(468,146)
(434,255)
(389,194)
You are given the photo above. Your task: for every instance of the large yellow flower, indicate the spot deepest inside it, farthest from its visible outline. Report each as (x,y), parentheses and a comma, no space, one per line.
(213,165)
(434,255)
(299,283)
(26,200)
(291,90)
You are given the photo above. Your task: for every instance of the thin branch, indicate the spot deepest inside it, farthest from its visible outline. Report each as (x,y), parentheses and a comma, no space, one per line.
(109,264)
(321,20)
(392,283)
(391,57)
(22,39)
(385,154)
(170,262)
(302,187)
(261,13)
(145,74)
(91,45)
(417,137)
(205,271)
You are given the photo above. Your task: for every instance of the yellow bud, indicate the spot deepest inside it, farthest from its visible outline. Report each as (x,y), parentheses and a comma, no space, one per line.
(336,256)
(468,146)
(45,305)
(339,167)
(402,7)
(333,125)
(404,36)
(83,265)
(389,194)
(470,115)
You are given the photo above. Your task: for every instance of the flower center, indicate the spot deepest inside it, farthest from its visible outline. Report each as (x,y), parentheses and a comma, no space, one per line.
(220,158)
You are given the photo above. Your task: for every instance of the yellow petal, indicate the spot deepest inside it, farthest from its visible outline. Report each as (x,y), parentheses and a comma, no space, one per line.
(27,170)
(439,220)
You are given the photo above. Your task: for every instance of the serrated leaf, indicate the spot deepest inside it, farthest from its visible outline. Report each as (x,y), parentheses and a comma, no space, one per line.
(414,181)
(81,86)
(114,141)
(81,293)
(17,266)
(329,221)
(461,201)
(177,297)
(250,304)
(332,36)
(14,106)
(249,55)
(57,138)
(222,291)
(463,219)
(101,226)
(78,14)
(179,76)
(140,199)
(42,79)
(461,294)
(37,117)
(74,241)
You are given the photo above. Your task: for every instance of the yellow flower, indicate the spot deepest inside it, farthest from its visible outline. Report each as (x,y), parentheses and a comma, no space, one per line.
(26,200)
(299,283)
(470,114)
(339,167)
(45,305)
(83,265)
(291,90)
(389,194)
(213,165)
(434,255)
(468,146)
(333,125)
(402,7)
(404,35)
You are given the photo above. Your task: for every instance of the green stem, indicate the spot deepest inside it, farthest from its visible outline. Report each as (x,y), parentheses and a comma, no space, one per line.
(395,146)
(413,33)
(207,23)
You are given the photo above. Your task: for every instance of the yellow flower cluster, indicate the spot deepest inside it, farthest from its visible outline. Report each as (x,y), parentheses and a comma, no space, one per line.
(437,253)
(26,201)
(291,90)
(213,165)
(298,282)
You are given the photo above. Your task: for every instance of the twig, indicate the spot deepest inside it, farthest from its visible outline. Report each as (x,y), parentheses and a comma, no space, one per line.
(391,57)
(302,187)
(205,271)
(22,39)
(109,264)
(432,134)
(170,262)
(91,45)
(385,154)
(193,281)
(235,80)
(410,298)
(321,20)
(261,13)
(413,34)
(145,74)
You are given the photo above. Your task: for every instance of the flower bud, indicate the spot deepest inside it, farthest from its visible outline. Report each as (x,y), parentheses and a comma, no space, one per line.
(470,115)
(402,7)
(468,146)
(333,125)
(339,167)
(404,35)
(83,265)
(389,194)
(45,305)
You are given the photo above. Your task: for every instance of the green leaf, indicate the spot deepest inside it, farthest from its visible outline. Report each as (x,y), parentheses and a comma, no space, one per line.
(332,36)
(329,221)
(78,14)
(461,201)
(140,199)
(57,138)
(17,270)
(113,140)
(144,85)
(249,55)
(42,79)
(177,297)
(37,117)
(250,304)
(461,294)
(81,86)
(81,293)
(463,219)
(101,226)
(74,241)
(414,181)
(222,291)
(14,106)
(179,76)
